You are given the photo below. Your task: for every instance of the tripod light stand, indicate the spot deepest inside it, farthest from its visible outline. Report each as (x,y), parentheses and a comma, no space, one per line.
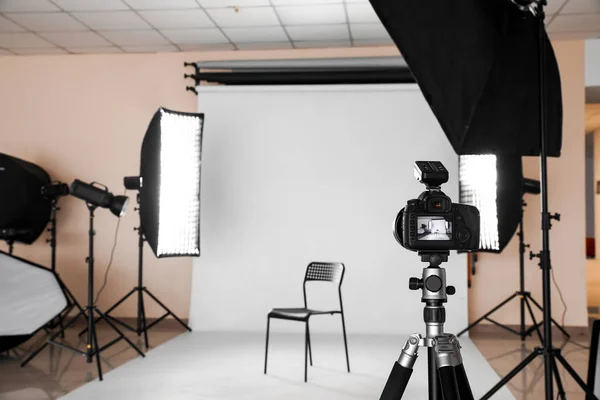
(550,354)
(525,298)
(141,323)
(94,198)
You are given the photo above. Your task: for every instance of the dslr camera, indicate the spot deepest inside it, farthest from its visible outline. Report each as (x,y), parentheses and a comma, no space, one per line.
(432,223)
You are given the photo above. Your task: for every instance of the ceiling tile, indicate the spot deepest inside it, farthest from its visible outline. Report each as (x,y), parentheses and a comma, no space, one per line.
(317,14)
(368,31)
(27,6)
(162,4)
(48,22)
(573,35)
(111,20)
(7,25)
(362,13)
(575,23)
(325,44)
(304,2)
(554,6)
(581,7)
(232,3)
(94,50)
(22,40)
(207,47)
(251,35)
(166,48)
(318,32)
(264,46)
(76,39)
(42,51)
(91,5)
(177,19)
(195,36)
(5,53)
(135,38)
(245,16)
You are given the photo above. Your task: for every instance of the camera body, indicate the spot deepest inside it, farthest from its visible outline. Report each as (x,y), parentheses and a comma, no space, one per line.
(432,223)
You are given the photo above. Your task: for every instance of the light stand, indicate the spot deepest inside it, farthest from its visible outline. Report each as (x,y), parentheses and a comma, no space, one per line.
(92,347)
(141,323)
(547,350)
(524,297)
(71,300)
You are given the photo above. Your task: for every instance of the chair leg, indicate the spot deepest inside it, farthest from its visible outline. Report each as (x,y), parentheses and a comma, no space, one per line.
(306,353)
(267,343)
(345,342)
(309,345)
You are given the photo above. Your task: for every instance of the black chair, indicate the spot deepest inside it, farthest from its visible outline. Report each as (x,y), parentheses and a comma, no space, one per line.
(321,272)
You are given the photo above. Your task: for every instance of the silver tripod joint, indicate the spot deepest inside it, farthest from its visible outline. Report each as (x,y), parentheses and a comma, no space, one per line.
(409,354)
(447,350)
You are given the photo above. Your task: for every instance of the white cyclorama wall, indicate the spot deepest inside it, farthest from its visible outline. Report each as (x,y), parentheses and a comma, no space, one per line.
(297,174)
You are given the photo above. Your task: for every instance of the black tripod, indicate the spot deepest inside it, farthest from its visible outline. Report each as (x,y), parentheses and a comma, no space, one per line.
(71,300)
(547,350)
(92,347)
(141,325)
(446,372)
(524,296)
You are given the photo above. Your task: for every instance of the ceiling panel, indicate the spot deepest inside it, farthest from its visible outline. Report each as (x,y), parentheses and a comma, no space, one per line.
(264,46)
(135,38)
(177,19)
(319,32)
(5,53)
(7,26)
(195,36)
(232,3)
(162,4)
(368,31)
(251,35)
(91,5)
(305,2)
(150,49)
(244,16)
(311,15)
(362,13)
(111,20)
(207,47)
(76,39)
(94,50)
(322,44)
(47,22)
(27,6)
(575,23)
(23,40)
(42,51)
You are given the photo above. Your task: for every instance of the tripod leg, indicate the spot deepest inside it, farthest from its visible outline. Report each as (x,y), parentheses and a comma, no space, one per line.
(575,376)
(143,321)
(493,310)
(433,377)
(535,324)
(464,387)
(511,375)
(561,390)
(109,322)
(96,348)
(449,383)
(167,310)
(402,370)
(564,332)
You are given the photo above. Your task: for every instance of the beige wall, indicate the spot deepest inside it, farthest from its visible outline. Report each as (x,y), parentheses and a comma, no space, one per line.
(84,117)
(497,275)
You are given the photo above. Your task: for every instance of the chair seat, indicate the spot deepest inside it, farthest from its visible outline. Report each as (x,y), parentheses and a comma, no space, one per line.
(296,314)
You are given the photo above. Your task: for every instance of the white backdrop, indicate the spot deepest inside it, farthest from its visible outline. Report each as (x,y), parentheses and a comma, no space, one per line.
(314,173)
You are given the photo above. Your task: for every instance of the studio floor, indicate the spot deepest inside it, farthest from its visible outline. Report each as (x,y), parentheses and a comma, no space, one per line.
(205,365)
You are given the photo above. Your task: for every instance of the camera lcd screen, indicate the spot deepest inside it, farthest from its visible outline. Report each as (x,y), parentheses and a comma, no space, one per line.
(430,227)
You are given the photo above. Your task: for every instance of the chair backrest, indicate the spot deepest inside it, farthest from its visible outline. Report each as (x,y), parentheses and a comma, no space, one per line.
(325,272)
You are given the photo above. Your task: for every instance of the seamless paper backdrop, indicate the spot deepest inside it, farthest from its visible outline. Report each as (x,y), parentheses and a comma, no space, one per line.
(315,173)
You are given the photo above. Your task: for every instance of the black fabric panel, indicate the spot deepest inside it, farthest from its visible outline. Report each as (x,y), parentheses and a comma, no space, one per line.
(476,62)
(509,197)
(22,206)
(150,190)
